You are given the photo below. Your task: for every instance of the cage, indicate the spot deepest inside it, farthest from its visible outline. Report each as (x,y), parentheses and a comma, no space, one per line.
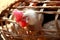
(11,30)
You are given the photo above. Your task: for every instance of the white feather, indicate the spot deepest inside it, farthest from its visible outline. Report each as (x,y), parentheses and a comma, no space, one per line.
(31,15)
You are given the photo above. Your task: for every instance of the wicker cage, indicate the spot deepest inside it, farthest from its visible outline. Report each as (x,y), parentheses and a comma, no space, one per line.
(12,31)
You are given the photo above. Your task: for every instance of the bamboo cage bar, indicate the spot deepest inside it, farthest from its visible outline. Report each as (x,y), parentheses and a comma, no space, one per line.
(46,12)
(56,23)
(46,1)
(35,7)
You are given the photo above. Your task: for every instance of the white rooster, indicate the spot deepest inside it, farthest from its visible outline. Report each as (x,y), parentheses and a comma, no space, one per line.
(28,17)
